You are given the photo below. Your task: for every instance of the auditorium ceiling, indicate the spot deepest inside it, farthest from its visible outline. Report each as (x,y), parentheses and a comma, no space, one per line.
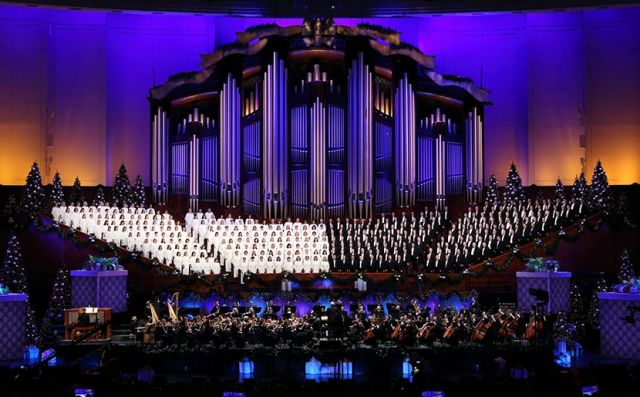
(335,8)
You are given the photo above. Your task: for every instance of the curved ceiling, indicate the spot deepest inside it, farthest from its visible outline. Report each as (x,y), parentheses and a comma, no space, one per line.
(335,8)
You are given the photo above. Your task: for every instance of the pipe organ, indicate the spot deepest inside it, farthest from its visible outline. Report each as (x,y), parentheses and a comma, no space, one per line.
(316,129)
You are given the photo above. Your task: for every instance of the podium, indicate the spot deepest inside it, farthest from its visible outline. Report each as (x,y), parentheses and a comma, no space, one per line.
(557,284)
(90,288)
(13,309)
(619,324)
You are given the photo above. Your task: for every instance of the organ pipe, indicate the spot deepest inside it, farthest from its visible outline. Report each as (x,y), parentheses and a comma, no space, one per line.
(230,143)
(160,156)
(405,144)
(194,172)
(318,160)
(360,142)
(440,172)
(474,149)
(275,144)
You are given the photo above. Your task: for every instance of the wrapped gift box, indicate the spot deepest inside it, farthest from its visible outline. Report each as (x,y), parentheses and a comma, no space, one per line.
(619,324)
(12,326)
(99,289)
(558,284)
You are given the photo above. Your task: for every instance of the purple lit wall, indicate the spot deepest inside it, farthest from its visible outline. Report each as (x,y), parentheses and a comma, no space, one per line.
(75,85)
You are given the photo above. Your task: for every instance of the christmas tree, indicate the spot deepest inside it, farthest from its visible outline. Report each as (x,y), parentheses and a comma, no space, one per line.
(599,194)
(12,210)
(594,306)
(626,273)
(492,192)
(513,191)
(60,300)
(139,197)
(577,312)
(13,275)
(563,329)
(77,195)
(99,198)
(57,195)
(579,190)
(122,189)
(559,192)
(34,197)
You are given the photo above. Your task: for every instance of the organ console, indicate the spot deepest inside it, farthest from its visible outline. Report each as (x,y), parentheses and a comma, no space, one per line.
(79,321)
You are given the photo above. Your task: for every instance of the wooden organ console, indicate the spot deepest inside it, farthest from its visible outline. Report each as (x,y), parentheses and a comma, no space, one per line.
(79,321)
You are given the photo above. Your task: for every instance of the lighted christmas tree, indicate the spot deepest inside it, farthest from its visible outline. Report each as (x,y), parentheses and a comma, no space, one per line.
(580,188)
(122,188)
(60,300)
(559,192)
(13,275)
(33,196)
(577,312)
(626,272)
(139,197)
(492,191)
(599,194)
(77,195)
(594,307)
(563,329)
(99,198)
(513,191)
(57,195)
(12,210)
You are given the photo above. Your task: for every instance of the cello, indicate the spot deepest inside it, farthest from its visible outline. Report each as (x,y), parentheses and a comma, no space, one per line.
(534,328)
(482,328)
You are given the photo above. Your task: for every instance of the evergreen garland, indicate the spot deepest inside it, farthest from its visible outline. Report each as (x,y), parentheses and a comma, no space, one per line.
(122,195)
(33,197)
(99,198)
(599,194)
(77,195)
(626,272)
(492,192)
(57,195)
(594,306)
(559,192)
(513,191)
(139,197)
(580,187)
(14,276)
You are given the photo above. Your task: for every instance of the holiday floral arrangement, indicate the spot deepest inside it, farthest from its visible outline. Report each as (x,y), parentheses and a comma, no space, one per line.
(631,286)
(102,264)
(540,264)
